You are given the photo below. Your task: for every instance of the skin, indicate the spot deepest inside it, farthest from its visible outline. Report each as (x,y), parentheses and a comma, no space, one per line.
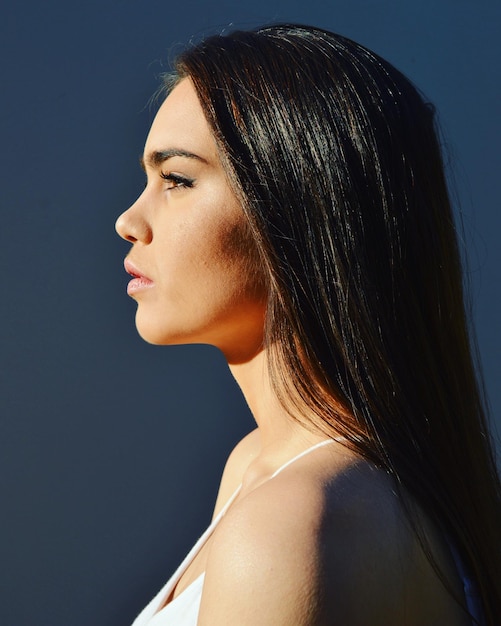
(325,541)
(189,235)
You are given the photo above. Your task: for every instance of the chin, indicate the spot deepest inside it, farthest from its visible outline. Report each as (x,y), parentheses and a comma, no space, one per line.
(160,334)
(158,338)
(151,333)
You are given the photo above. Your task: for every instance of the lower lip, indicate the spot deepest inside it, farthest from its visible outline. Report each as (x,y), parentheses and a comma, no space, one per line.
(138,284)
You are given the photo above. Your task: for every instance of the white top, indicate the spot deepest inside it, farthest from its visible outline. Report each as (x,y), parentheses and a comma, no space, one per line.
(183,609)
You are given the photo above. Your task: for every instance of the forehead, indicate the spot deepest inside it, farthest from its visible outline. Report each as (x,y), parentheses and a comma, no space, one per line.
(180,123)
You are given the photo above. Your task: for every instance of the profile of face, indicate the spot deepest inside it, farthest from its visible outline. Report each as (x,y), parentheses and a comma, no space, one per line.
(194,268)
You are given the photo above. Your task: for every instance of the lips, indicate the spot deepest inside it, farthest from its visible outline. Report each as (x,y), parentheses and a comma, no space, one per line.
(139,281)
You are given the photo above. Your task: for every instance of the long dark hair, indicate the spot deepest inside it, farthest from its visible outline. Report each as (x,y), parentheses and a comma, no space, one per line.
(334,154)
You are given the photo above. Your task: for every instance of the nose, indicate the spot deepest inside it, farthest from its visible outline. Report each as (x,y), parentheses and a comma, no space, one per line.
(132,226)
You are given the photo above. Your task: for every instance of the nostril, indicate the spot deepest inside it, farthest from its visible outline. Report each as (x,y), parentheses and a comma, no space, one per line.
(123,227)
(132,226)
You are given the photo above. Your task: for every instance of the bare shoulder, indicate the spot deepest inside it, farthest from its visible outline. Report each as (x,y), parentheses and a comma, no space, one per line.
(238,461)
(317,546)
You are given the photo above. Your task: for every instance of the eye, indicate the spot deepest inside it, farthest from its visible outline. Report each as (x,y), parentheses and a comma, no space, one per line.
(175,181)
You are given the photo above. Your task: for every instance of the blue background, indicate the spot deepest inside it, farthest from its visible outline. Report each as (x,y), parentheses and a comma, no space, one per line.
(111,449)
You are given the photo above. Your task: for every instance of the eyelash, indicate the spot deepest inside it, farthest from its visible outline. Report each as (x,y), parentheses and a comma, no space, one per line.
(177,180)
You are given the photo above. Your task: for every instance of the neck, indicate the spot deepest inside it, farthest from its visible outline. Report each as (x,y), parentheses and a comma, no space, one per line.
(278,430)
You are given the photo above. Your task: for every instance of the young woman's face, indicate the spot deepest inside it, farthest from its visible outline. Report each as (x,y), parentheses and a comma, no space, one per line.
(194,266)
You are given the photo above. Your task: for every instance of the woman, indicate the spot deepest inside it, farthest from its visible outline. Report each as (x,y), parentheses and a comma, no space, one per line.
(296,216)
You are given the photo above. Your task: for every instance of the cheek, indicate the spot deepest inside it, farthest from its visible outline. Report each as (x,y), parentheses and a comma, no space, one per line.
(221,247)
(239,249)
(208,258)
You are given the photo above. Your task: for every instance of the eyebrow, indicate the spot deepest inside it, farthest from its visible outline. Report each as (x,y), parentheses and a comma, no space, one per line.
(157,157)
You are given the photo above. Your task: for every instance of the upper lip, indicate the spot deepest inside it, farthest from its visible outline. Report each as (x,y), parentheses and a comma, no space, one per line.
(133,270)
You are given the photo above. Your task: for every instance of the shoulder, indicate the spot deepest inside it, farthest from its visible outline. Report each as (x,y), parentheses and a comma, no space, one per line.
(241,456)
(309,548)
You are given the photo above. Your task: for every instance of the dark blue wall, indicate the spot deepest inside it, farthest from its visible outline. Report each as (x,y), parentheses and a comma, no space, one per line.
(111,449)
